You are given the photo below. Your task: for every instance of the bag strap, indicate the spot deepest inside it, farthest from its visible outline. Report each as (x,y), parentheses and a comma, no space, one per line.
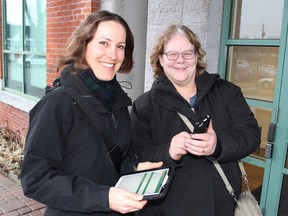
(85,107)
(187,122)
(218,167)
(224,178)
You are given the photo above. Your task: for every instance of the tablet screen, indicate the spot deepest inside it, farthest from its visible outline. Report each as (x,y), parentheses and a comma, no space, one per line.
(144,183)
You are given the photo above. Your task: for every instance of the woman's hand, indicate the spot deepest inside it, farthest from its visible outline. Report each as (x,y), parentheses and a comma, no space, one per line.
(123,201)
(177,146)
(202,144)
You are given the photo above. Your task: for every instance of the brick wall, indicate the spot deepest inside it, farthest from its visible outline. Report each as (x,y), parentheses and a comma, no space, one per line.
(14,119)
(63,16)
(62,19)
(1,73)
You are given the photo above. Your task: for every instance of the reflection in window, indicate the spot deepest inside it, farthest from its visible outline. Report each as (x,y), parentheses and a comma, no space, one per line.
(263,117)
(257,19)
(35,18)
(283,207)
(255,179)
(13,71)
(25,46)
(35,76)
(254,69)
(286,164)
(13,30)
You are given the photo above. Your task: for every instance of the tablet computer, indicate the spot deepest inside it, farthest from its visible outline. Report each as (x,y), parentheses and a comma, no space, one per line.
(152,184)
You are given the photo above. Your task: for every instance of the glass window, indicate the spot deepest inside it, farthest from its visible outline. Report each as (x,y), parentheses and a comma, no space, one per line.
(263,117)
(35,25)
(286,163)
(14,73)
(13,30)
(283,207)
(257,19)
(255,179)
(35,76)
(254,69)
(25,46)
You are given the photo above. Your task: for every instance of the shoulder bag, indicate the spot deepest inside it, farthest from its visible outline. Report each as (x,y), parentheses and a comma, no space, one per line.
(246,204)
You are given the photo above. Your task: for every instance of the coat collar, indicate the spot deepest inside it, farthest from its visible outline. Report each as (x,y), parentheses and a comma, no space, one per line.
(68,78)
(164,93)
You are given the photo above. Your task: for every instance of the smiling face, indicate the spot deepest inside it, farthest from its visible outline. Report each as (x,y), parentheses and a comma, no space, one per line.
(106,51)
(180,71)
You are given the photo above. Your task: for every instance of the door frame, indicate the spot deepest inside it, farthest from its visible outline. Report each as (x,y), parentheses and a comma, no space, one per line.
(274,168)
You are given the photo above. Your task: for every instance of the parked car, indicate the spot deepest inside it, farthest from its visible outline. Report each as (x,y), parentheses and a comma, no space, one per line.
(266,83)
(38,60)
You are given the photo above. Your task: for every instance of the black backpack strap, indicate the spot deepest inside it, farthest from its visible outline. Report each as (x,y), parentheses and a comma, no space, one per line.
(114,151)
(57,83)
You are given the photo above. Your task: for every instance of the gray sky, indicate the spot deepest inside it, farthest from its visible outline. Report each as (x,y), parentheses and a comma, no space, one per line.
(258,12)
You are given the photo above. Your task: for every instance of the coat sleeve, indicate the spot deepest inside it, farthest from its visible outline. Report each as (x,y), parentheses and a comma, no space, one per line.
(41,176)
(144,144)
(235,125)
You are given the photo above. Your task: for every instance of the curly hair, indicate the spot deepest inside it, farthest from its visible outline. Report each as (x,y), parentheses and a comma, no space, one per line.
(165,37)
(77,44)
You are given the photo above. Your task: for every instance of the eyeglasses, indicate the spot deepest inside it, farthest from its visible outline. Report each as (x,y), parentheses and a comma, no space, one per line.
(175,55)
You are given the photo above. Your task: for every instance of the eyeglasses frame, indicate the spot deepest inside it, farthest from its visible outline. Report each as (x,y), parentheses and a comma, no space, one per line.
(178,54)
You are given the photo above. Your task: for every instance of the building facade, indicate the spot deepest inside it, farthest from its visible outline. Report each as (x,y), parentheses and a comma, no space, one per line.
(245,44)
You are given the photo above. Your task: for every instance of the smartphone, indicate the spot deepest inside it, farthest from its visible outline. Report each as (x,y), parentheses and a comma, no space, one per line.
(202,125)
(152,184)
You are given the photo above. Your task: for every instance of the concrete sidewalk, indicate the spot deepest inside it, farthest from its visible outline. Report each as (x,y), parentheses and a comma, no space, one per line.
(13,202)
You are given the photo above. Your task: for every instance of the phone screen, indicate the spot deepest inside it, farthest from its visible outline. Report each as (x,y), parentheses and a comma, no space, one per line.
(202,125)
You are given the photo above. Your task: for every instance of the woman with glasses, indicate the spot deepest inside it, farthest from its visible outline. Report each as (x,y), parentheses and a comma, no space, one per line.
(182,85)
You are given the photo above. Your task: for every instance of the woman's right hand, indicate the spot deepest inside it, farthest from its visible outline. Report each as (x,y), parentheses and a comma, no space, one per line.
(177,146)
(123,201)
(148,165)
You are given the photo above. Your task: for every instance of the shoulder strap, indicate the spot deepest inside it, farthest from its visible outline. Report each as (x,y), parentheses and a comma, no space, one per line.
(85,107)
(217,165)
(224,178)
(114,152)
(187,122)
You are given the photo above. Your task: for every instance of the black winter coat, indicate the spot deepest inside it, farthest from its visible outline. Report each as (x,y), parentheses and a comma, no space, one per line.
(197,189)
(66,163)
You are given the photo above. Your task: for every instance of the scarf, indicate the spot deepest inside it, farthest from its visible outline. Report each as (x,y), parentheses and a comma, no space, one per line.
(104,90)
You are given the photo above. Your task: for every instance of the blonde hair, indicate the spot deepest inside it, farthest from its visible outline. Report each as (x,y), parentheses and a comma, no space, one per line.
(165,37)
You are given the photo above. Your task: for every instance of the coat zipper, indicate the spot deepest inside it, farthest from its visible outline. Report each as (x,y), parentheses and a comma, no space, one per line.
(114,121)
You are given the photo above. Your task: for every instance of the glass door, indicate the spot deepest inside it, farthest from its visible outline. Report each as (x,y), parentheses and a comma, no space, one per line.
(277,190)
(254,47)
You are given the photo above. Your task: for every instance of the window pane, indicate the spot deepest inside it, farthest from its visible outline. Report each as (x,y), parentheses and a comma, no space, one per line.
(35,25)
(254,69)
(283,208)
(14,74)
(25,73)
(263,117)
(13,25)
(255,179)
(35,74)
(257,19)
(286,164)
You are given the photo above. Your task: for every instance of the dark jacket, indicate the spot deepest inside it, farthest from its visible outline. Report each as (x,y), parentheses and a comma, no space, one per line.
(66,164)
(196,189)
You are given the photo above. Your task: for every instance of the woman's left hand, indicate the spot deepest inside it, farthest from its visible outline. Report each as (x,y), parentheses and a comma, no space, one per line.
(202,144)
